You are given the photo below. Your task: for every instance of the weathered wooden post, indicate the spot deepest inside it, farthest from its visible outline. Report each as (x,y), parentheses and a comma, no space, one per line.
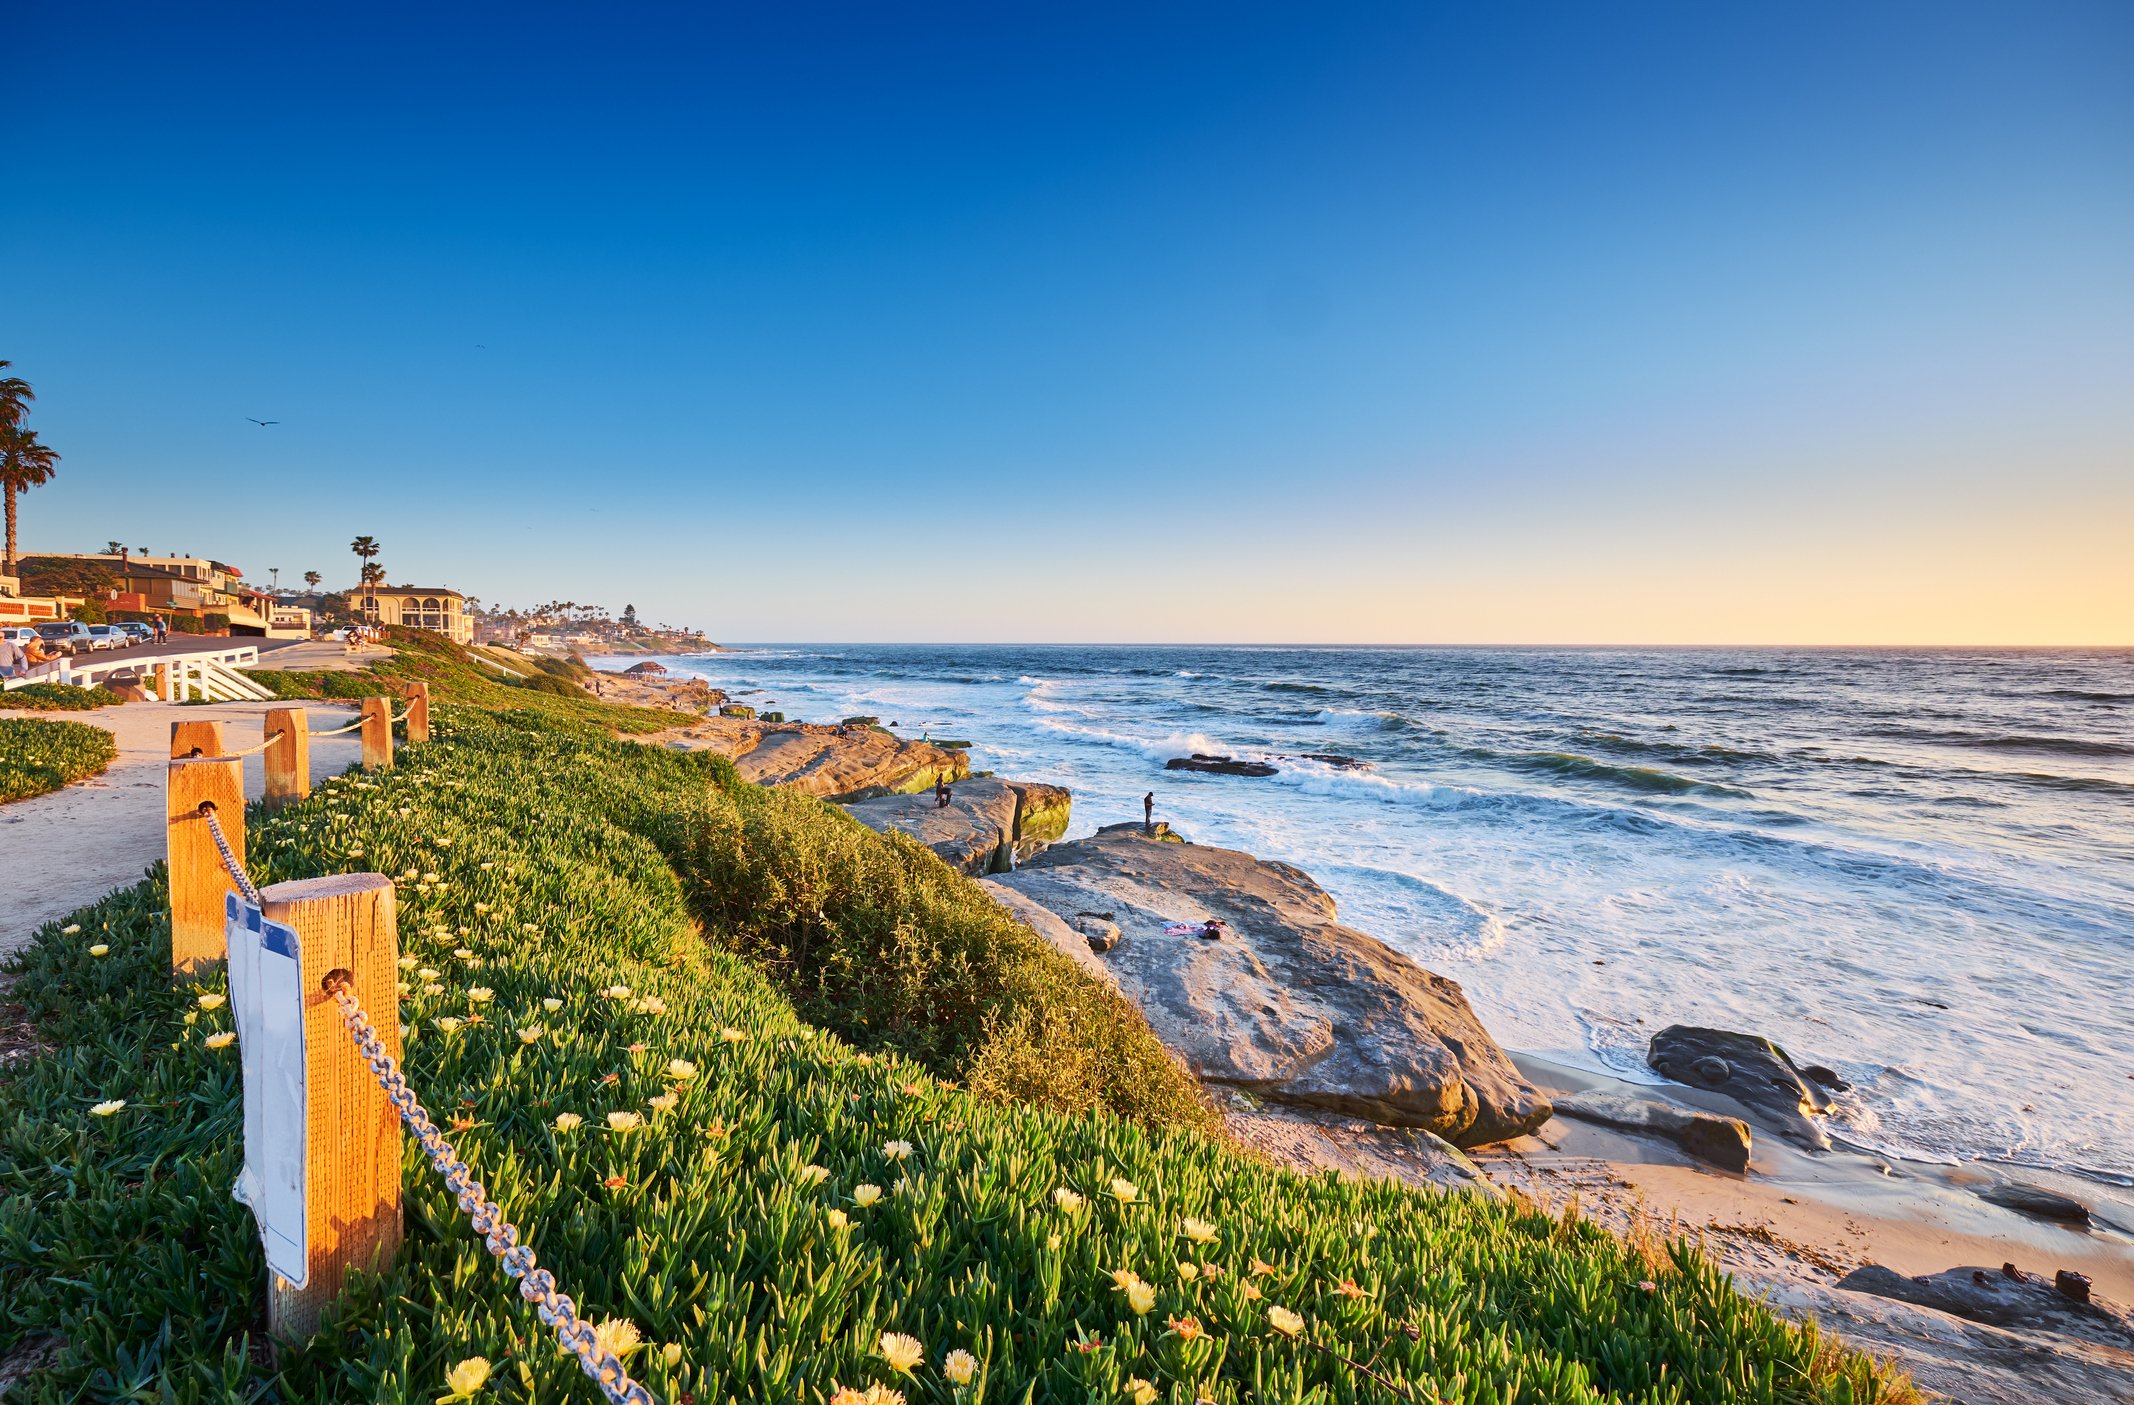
(352,1134)
(163,692)
(195,739)
(418,696)
(198,876)
(288,756)
(377,734)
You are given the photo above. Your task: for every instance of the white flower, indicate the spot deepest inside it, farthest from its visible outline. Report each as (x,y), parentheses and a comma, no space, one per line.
(407,963)
(1124,1191)
(551,1004)
(1284,1321)
(959,1366)
(480,994)
(1199,1231)
(468,1377)
(662,1102)
(681,1070)
(221,1041)
(865,1194)
(1067,1200)
(462,952)
(732,1035)
(106,1109)
(812,1175)
(568,1121)
(625,1121)
(429,973)
(447,1023)
(896,1150)
(70,929)
(530,1035)
(671,1353)
(212,1001)
(902,1352)
(617,1334)
(838,1219)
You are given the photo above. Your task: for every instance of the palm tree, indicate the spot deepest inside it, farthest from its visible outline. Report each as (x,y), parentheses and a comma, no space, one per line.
(113,548)
(366,549)
(312,579)
(24,463)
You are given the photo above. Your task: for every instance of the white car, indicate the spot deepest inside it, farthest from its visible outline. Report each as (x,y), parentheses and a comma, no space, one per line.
(107,636)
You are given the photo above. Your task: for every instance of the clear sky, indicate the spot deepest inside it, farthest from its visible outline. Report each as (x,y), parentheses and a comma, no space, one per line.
(1383,322)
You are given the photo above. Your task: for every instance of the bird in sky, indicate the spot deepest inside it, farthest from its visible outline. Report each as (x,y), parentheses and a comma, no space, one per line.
(263,423)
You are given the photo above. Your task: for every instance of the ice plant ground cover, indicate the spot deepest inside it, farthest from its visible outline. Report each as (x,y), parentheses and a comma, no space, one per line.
(694,1161)
(39,756)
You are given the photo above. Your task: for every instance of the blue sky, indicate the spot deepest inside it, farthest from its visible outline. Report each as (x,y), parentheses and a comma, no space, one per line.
(1646,323)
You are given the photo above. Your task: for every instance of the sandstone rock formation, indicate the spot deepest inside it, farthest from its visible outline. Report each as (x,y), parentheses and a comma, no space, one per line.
(831,762)
(987,826)
(1722,1141)
(1750,1071)
(1291,1005)
(2001,1299)
(2035,1200)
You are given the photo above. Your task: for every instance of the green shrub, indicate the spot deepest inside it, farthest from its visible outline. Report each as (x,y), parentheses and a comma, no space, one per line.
(39,756)
(58,697)
(555,685)
(120,1242)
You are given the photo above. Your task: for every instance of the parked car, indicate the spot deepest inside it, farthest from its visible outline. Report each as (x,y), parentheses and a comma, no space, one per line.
(67,637)
(18,633)
(138,632)
(107,636)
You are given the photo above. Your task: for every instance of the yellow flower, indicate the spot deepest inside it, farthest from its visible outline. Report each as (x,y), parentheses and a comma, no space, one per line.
(616,1334)
(959,1366)
(221,1041)
(901,1352)
(212,1001)
(106,1109)
(192,1017)
(530,1035)
(433,988)
(70,929)
(812,1175)
(429,973)
(651,1005)
(1124,1278)
(481,907)
(625,1121)
(839,1219)
(1188,1270)
(618,992)
(866,1194)
(662,1102)
(681,1070)
(671,1353)
(1199,1231)
(407,963)
(1141,1297)
(732,1035)
(468,1377)
(568,1121)
(897,1150)
(461,952)
(447,1023)
(551,1004)
(1052,1241)
(1139,1391)
(99,950)
(865,1060)
(1284,1321)
(480,994)
(1124,1191)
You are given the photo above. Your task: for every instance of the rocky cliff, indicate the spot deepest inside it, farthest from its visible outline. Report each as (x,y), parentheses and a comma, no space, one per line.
(987,827)
(1289,1004)
(831,762)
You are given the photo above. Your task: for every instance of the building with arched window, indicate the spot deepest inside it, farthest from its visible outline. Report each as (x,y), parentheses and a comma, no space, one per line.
(419,607)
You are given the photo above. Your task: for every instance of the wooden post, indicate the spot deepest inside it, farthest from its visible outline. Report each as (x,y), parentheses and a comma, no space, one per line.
(195,739)
(163,692)
(418,696)
(198,877)
(352,1134)
(288,757)
(377,734)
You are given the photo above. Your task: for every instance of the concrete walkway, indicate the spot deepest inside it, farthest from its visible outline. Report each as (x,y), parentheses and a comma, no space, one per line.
(61,851)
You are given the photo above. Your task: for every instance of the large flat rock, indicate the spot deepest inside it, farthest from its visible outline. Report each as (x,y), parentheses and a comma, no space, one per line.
(1291,1005)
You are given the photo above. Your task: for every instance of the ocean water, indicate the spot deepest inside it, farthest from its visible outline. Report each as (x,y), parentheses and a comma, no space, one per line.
(1915,866)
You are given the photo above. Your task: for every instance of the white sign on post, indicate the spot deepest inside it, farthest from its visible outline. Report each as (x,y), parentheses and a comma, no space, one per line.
(267,997)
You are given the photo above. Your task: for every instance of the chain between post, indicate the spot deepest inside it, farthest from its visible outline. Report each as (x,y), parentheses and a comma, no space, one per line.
(536,1284)
(229,860)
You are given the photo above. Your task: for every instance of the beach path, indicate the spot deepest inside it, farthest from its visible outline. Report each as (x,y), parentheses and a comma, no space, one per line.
(69,848)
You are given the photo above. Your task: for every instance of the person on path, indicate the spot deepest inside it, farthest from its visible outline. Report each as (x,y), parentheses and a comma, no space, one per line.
(1148,813)
(162,630)
(12,659)
(940,793)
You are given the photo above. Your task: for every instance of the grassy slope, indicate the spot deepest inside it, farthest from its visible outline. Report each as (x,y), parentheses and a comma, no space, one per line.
(37,756)
(118,1234)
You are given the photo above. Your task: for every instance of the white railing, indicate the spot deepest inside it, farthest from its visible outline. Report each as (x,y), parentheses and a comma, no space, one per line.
(172,677)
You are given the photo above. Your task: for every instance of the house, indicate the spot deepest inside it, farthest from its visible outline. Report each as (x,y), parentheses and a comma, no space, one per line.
(194,586)
(420,607)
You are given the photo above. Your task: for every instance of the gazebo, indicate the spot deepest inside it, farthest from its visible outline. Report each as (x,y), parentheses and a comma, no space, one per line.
(646,667)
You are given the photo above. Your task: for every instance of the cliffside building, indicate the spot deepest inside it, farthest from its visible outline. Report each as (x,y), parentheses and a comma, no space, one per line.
(419,607)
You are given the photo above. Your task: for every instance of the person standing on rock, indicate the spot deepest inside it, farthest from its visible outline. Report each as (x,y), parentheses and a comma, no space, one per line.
(940,793)
(1148,813)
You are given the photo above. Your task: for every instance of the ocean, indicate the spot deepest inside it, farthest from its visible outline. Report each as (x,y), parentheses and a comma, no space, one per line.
(1916,866)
